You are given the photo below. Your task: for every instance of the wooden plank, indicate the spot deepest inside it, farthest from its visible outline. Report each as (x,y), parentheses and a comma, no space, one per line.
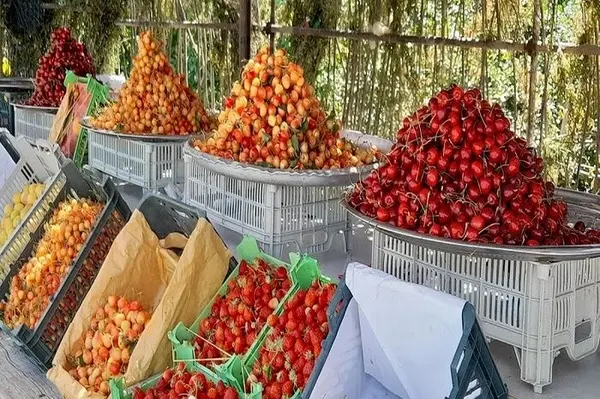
(19,376)
(244,33)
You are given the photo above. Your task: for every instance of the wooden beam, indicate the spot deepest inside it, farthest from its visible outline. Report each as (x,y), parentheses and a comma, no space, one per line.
(566,48)
(245,30)
(176,25)
(533,70)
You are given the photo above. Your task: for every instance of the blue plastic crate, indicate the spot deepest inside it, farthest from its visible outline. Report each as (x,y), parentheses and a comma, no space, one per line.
(474,373)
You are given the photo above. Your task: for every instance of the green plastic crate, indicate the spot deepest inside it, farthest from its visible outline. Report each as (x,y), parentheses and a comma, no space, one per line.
(182,337)
(100,96)
(118,390)
(304,274)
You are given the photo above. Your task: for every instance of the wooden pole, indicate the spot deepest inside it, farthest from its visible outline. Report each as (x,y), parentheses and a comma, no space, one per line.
(245,30)
(484,53)
(271,23)
(533,69)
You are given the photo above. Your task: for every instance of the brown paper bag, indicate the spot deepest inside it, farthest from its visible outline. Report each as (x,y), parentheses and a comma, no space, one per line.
(140,268)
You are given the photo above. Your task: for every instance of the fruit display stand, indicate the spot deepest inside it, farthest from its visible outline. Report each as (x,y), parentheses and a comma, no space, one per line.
(33,122)
(12,90)
(34,166)
(149,162)
(42,341)
(538,299)
(280,208)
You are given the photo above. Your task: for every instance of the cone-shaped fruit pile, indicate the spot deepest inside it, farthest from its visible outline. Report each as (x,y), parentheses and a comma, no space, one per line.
(273,119)
(65,54)
(155,99)
(458,171)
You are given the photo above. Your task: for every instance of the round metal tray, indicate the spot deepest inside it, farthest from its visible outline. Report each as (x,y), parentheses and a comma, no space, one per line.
(151,137)
(47,110)
(291,177)
(582,206)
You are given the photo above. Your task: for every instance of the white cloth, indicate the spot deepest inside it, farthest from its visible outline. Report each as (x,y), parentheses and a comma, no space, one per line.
(397,340)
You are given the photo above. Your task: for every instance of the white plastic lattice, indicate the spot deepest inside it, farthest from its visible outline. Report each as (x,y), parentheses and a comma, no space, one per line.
(150,165)
(32,123)
(537,308)
(37,164)
(280,217)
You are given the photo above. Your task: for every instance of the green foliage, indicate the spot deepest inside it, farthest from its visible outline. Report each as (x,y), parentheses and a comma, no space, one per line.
(93,23)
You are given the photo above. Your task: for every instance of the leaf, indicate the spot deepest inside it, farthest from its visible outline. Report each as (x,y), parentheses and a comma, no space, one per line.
(265,138)
(295,143)
(264,164)
(304,126)
(293,163)
(336,127)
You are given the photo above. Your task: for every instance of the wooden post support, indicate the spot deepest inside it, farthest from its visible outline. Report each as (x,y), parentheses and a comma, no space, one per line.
(245,26)
(533,51)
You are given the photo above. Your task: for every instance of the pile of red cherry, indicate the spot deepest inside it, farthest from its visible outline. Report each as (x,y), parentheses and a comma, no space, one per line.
(458,171)
(65,54)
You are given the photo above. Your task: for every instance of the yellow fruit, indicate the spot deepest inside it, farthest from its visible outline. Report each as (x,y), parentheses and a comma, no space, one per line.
(16,222)
(23,213)
(16,198)
(30,199)
(16,213)
(39,190)
(3,237)
(8,209)
(7,223)
(27,207)
(24,196)
(18,206)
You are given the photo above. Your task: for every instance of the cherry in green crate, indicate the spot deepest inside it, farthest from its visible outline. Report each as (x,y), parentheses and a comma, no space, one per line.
(237,317)
(180,383)
(287,357)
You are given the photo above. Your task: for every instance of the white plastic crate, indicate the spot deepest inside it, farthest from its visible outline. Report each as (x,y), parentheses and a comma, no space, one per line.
(301,218)
(33,124)
(150,165)
(37,164)
(537,308)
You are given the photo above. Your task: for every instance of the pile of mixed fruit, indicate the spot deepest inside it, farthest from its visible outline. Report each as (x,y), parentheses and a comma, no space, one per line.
(272,118)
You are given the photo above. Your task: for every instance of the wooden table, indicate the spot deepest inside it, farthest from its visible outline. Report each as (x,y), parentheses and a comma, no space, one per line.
(19,377)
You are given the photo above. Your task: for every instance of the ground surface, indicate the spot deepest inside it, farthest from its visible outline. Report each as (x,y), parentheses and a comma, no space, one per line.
(20,379)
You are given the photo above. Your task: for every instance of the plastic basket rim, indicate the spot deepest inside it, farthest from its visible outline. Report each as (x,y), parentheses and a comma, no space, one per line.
(542,253)
(284,177)
(46,110)
(152,137)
